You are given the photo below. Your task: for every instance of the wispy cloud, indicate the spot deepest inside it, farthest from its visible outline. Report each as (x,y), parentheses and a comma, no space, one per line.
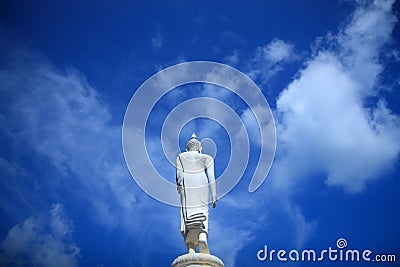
(41,241)
(269,59)
(234,240)
(303,227)
(232,59)
(235,234)
(57,117)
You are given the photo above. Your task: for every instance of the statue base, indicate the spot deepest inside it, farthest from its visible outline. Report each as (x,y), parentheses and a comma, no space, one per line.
(197,260)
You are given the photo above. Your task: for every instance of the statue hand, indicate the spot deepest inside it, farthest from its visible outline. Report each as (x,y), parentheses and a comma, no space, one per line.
(214,203)
(179,188)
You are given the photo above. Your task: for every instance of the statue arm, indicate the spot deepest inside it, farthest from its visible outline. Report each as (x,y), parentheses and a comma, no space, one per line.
(211,180)
(179,175)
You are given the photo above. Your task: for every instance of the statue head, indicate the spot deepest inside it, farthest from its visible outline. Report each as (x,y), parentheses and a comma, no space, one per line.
(194,144)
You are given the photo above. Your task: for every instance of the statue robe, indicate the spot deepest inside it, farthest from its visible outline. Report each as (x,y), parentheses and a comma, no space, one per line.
(191,169)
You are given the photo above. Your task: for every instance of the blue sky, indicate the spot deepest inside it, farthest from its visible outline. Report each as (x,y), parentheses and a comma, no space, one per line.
(329,70)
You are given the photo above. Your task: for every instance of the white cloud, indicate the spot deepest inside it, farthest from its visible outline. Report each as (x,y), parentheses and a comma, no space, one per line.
(276,51)
(324,127)
(269,59)
(41,242)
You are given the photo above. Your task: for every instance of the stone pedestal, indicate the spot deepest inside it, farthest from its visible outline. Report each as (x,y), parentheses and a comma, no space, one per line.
(197,260)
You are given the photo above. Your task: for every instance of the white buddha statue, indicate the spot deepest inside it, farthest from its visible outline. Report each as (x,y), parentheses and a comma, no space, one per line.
(194,176)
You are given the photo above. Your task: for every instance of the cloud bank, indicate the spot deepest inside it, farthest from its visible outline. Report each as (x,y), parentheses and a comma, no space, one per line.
(324,125)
